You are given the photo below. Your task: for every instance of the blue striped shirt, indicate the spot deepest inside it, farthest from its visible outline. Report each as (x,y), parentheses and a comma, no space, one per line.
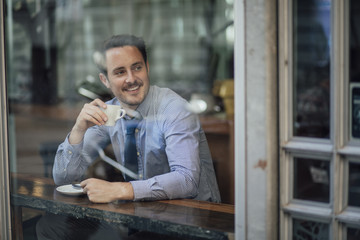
(174,157)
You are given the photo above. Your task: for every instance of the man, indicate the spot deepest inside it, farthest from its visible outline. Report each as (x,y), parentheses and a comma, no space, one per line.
(173,159)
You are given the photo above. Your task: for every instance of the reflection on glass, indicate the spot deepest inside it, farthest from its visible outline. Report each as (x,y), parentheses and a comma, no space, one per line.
(355,110)
(51,51)
(311,76)
(353,233)
(310,230)
(354,71)
(311,179)
(354,184)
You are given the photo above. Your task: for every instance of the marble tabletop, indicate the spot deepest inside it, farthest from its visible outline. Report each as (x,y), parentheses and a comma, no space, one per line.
(182,218)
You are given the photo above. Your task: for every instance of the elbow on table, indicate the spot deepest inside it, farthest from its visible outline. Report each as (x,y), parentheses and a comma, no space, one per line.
(61,178)
(179,189)
(192,188)
(58,179)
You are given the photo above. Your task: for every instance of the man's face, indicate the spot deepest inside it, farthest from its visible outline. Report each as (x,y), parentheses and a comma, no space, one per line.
(128,77)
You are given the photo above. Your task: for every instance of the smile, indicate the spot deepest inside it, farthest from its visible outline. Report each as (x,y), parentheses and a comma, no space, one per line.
(133,88)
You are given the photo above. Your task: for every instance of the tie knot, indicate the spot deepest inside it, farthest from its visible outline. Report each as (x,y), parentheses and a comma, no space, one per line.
(131,126)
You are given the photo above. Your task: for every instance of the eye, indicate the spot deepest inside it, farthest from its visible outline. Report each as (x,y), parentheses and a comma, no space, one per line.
(120,72)
(137,67)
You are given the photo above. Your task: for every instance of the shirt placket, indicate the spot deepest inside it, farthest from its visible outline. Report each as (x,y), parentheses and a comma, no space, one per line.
(138,133)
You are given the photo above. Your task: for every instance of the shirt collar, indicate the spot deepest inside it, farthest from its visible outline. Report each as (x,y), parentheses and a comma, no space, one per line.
(144,107)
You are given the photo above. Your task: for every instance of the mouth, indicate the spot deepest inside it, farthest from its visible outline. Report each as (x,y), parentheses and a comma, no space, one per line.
(133,89)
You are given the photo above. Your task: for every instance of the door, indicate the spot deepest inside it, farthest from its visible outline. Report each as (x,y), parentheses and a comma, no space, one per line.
(319,120)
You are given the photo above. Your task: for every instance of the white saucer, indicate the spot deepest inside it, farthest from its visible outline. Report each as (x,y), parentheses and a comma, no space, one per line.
(70,190)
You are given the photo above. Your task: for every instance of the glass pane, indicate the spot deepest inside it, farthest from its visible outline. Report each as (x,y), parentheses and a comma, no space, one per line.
(354,184)
(53,65)
(311,179)
(354,69)
(353,233)
(311,73)
(310,230)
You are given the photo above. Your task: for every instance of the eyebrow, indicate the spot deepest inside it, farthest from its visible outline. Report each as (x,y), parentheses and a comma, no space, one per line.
(137,63)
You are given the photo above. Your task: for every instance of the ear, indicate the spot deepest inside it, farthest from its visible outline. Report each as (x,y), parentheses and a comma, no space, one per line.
(104,80)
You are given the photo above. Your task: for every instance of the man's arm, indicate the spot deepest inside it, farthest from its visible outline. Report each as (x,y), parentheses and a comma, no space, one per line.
(180,129)
(101,191)
(72,160)
(74,156)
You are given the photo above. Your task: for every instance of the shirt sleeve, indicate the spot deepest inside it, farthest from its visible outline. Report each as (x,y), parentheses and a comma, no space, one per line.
(72,160)
(181,132)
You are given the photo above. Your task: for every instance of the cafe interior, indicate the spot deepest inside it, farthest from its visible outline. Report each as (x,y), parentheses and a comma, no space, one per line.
(52,52)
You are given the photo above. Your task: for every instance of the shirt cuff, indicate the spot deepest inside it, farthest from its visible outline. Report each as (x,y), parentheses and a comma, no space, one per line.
(72,150)
(141,190)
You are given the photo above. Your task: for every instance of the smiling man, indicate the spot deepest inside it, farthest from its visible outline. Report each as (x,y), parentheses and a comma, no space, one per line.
(172,155)
(173,158)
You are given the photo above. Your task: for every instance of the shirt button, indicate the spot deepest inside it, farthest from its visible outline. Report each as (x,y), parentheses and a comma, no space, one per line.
(138,153)
(69,152)
(140,176)
(136,130)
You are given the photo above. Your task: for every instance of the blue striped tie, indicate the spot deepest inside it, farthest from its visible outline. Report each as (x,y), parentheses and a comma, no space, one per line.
(131,160)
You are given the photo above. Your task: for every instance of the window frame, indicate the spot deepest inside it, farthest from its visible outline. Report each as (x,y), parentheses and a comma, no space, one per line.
(5,214)
(241,212)
(339,149)
(239,45)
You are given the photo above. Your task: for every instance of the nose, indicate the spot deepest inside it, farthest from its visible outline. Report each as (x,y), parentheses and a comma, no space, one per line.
(131,77)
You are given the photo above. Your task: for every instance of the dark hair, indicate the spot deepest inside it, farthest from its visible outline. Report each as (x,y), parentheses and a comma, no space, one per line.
(122,41)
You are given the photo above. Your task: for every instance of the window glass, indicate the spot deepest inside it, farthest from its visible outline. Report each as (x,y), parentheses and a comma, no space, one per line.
(311,72)
(304,229)
(311,179)
(52,54)
(354,69)
(354,184)
(352,233)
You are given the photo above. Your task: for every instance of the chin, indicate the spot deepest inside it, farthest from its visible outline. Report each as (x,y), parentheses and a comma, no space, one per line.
(131,103)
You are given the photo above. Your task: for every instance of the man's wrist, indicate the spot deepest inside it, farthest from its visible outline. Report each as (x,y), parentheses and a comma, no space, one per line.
(125,191)
(76,136)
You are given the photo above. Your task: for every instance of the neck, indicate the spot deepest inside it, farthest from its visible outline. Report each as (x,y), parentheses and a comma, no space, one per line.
(132,112)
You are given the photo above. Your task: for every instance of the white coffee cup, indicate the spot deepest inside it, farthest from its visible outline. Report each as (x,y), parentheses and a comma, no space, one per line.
(113,113)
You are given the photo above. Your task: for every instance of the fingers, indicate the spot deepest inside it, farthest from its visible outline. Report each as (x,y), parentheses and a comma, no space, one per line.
(91,114)
(97,190)
(91,182)
(98,102)
(95,112)
(86,185)
(83,185)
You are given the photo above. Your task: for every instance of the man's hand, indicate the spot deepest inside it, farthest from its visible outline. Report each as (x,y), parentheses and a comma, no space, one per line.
(89,116)
(100,191)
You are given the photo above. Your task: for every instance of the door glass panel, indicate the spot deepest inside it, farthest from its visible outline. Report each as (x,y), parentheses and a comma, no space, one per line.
(311,179)
(311,72)
(52,57)
(310,230)
(354,69)
(353,233)
(354,184)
